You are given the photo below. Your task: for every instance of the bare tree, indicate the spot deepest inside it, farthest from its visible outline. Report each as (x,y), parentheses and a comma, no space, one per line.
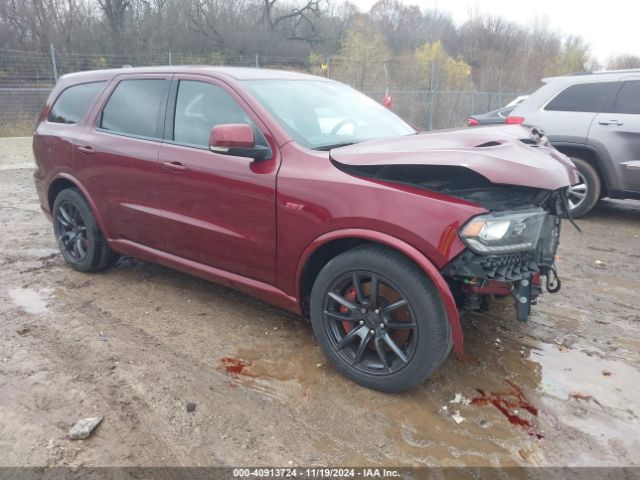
(623,62)
(115,11)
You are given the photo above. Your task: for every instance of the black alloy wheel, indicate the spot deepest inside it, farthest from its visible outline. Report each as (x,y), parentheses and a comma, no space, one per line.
(379,319)
(72,231)
(369,323)
(78,235)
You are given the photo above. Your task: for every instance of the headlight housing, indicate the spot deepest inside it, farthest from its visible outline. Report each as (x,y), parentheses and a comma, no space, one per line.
(506,232)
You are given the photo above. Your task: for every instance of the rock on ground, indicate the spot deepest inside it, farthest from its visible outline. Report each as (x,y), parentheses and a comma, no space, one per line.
(84,428)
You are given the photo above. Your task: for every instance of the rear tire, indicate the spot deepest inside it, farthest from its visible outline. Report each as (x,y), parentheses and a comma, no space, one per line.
(584,196)
(78,235)
(391,341)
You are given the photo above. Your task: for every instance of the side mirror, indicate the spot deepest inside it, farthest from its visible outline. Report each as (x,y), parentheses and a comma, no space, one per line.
(236,139)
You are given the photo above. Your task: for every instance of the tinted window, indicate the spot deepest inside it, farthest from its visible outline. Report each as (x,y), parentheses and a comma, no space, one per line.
(585,97)
(133,107)
(199,107)
(74,102)
(628,100)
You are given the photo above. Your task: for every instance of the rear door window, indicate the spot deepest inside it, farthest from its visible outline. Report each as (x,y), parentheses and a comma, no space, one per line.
(628,100)
(583,97)
(134,106)
(74,102)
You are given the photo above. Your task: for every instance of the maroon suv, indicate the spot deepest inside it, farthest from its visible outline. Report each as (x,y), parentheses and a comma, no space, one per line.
(303,192)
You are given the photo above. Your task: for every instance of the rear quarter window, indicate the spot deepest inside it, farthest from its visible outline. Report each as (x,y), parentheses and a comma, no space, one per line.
(628,100)
(583,97)
(74,102)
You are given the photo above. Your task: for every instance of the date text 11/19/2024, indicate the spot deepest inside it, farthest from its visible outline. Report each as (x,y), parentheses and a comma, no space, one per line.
(315,472)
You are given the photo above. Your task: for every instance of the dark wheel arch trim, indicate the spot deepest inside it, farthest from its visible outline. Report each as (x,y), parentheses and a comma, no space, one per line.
(69,180)
(589,154)
(408,251)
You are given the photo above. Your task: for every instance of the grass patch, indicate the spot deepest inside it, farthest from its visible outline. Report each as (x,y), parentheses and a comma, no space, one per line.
(18,126)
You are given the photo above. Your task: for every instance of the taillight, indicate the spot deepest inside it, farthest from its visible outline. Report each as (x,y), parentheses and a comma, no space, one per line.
(472,122)
(511,120)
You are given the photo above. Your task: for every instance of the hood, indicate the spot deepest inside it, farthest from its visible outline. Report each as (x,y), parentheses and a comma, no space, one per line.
(504,155)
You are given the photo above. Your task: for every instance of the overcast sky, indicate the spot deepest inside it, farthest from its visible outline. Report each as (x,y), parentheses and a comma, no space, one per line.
(610,27)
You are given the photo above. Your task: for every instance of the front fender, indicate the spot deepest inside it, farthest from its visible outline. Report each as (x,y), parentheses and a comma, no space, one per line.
(411,252)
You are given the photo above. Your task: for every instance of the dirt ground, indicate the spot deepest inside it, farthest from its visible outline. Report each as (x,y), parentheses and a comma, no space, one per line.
(139,342)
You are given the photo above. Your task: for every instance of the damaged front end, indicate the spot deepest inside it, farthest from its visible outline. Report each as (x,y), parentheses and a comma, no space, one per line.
(508,253)
(514,175)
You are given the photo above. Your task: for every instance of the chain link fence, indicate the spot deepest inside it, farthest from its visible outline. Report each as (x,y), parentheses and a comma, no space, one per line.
(26,78)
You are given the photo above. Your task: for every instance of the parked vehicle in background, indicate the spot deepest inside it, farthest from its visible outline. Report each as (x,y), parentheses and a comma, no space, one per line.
(594,118)
(495,117)
(308,194)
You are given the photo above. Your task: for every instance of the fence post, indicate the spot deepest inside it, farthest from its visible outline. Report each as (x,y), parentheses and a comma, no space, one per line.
(431,76)
(386,78)
(53,62)
(170,58)
(257,61)
(473,101)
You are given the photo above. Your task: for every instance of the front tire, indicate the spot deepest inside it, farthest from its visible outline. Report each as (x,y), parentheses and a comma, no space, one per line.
(584,196)
(379,319)
(78,235)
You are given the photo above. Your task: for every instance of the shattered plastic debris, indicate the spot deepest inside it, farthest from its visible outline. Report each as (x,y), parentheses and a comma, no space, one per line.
(459,398)
(457,417)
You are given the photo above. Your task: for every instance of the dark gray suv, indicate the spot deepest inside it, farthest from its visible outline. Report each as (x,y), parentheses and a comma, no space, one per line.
(594,118)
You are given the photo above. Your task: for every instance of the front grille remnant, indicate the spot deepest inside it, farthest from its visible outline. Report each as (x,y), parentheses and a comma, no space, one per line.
(502,268)
(508,267)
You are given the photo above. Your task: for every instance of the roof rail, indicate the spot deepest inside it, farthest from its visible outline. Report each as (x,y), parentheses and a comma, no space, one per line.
(599,72)
(624,70)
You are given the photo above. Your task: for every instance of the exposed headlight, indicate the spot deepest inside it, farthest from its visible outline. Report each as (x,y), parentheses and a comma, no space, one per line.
(503,232)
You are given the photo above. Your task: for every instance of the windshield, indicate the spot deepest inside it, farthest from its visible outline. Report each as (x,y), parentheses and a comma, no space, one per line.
(323,115)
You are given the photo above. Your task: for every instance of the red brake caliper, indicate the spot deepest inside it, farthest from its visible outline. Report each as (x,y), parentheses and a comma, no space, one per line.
(351,296)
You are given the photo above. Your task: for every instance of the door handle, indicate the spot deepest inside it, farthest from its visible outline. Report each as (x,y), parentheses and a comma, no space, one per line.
(615,123)
(174,166)
(88,149)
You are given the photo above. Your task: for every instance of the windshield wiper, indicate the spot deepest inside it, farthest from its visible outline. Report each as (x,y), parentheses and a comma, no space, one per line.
(325,148)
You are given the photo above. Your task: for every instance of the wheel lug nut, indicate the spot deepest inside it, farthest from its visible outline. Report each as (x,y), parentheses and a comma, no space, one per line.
(382,325)
(372,331)
(361,322)
(363,310)
(376,311)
